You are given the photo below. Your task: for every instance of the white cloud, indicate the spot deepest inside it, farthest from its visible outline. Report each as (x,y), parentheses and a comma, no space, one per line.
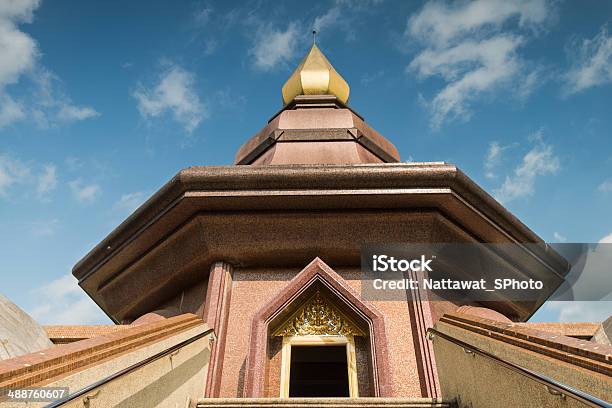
(75,113)
(19,55)
(52,105)
(328,19)
(539,161)
(368,78)
(38,180)
(605,187)
(530,81)
(174,92)
(17,49)
(84,193)
(45,228)
(559,238)
(592,63)
(580,311)
(12,171)
(74,163)
(202,15)
(494,158)
(62,301)
(10,111)
(441,23)
(18,9)
(210,46)
(466,45)
(343,16)
(47,181)
(606,240)
(129,202)
(273,47)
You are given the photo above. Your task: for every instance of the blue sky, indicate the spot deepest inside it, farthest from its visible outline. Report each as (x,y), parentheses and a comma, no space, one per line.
(101,103)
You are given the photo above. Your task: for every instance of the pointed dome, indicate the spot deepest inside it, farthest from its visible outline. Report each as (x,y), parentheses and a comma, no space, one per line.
(315,76)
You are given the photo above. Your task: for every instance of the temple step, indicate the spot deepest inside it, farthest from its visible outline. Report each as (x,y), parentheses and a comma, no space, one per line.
(322,402)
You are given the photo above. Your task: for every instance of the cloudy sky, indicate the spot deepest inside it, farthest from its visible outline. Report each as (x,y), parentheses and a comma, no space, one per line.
(101,103)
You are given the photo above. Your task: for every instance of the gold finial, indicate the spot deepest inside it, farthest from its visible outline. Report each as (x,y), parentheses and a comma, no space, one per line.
(315,76)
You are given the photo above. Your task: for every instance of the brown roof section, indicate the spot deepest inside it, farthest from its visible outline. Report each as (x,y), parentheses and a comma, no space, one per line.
(68,334)
(48,365)
(208,213)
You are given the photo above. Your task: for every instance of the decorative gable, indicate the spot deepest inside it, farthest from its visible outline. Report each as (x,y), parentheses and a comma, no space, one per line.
(319,317)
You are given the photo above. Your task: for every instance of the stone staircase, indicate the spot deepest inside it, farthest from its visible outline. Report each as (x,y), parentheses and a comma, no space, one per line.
(322,402)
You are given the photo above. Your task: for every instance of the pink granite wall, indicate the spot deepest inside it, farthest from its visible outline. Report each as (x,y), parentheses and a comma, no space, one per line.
(364,367)
(273,367)
(255,287)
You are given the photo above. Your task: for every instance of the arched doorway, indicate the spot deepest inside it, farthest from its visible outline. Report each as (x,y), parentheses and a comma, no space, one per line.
(317,308)
(318,351)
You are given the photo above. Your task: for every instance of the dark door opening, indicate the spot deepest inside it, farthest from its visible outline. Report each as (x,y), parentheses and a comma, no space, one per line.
(318,372)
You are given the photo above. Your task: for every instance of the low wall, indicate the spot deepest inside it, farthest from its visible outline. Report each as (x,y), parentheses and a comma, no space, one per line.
(474,380)
(164,364)
(176,380)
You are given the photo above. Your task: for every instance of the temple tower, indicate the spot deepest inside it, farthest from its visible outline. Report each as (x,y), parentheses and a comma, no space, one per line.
(242,285)
(315,126)
(267,252)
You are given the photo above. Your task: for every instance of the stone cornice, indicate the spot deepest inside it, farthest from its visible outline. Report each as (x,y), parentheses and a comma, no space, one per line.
(299,179)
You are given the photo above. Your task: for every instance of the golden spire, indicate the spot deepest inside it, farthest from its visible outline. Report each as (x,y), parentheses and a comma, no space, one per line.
(315,76)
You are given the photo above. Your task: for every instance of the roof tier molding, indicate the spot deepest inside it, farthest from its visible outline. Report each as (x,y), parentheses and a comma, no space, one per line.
(316,129)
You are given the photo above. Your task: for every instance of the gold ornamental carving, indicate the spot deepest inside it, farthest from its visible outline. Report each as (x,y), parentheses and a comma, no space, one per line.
(317,317)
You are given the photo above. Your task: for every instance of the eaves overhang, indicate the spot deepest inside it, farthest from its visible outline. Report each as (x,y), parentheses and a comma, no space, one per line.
(228,191)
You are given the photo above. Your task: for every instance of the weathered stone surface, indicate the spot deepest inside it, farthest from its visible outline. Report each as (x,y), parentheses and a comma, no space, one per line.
(483,312)
(19,333)
(603,335)
(578,330)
